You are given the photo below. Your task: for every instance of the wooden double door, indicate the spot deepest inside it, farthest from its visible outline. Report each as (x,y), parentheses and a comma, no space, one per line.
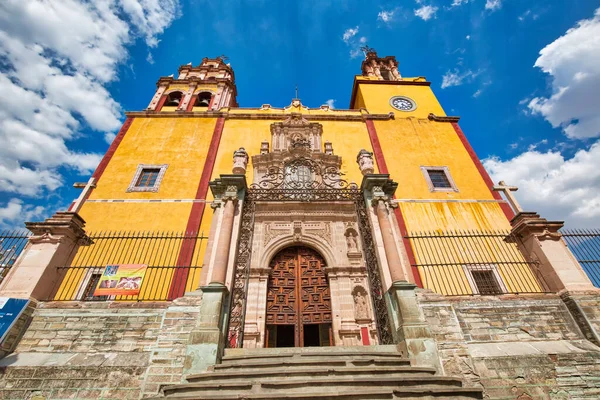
(298,300)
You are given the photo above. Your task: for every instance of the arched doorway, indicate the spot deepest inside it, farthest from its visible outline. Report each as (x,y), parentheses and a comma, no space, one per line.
(298,300)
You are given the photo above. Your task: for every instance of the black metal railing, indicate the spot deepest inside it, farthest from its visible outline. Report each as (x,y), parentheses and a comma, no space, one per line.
(585,245)
(172,258)
(12,243)
(474,263)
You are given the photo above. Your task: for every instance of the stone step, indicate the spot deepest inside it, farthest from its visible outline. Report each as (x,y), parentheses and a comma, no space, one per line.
(327,352)
(279,362)
(285,371)
(310,385)
(421,393)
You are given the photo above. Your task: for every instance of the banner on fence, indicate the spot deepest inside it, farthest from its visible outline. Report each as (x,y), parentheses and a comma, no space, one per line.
(121,280)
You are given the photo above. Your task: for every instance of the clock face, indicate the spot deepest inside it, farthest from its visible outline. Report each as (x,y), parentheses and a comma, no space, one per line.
(403,103)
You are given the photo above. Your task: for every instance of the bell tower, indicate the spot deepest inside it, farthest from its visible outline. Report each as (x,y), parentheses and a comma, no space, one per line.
(206,87)
(382,89)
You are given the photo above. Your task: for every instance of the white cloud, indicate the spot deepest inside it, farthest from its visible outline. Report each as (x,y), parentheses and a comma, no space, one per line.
(456,78)
(354,53)
(15,211)
(349,34)
(57,57)
(524,15)
(573,61)
(386,16)
(468,37)
(555,187)
(493,5)
(330,103)
(426,12)
(457,3)
(478,93)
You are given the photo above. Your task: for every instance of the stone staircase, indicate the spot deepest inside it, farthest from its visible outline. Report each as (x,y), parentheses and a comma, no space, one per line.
(366,372)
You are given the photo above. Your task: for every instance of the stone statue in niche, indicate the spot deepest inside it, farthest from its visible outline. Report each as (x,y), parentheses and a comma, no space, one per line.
(361,310)
(352,241)
(365,162)
(240,161)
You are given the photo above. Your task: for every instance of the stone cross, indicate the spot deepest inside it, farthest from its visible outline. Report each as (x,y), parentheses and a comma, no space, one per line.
(87,189)
(503,187)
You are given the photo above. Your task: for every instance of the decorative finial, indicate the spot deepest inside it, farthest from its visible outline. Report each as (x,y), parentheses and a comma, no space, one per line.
(296,92)
(240,161)
(366,49)
(223,57)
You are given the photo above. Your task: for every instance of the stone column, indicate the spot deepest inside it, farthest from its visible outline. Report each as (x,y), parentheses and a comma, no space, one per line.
(207,340)
(54,244)
(389,243)
(411,331)
(541,242)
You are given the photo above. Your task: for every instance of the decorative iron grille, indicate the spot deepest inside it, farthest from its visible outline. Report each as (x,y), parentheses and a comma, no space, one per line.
(158,250)
(12,243)
(474,262)
(585,245)
(345,192)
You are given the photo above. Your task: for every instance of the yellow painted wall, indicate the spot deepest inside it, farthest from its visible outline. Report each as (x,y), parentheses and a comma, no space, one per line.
(376,99)
(411,141)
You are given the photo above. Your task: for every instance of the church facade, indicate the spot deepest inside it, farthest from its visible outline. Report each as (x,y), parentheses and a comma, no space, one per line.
(258,233)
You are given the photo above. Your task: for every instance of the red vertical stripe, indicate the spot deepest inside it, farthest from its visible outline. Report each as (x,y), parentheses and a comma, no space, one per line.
(193,225)
(191,103)
(364,333)
(488,181)
(401,223)
(112,149)
(161,103)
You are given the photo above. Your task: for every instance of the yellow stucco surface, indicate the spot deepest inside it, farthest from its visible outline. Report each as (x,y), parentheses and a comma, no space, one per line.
(408,142)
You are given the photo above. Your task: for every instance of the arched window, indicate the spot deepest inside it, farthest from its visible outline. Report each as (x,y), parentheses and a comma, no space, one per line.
(386,74)
(174,99)
(203,99)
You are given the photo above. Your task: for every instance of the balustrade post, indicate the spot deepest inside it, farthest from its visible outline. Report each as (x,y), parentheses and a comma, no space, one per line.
(53,244)
(541,242)
(35,275)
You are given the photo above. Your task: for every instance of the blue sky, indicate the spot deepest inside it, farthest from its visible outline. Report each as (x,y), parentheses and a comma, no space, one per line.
(69,68)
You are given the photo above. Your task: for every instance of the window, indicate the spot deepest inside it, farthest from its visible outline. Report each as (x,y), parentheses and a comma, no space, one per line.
(174,99)
(386,74)
(88,293)
(439,179)
(484,279)
(147,178)
(203,99)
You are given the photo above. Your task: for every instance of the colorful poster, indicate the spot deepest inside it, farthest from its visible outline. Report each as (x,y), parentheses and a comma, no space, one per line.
(121,280)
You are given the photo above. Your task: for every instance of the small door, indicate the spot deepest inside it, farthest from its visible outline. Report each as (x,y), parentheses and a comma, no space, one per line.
(298,300)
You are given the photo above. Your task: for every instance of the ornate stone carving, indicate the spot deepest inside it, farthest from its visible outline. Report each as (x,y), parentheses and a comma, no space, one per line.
(365,162)
(322,230)
(352,240)
(272,231)
(361,306)
(240,161)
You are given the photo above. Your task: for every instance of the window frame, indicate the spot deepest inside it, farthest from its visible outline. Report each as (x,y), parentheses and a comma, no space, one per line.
(484,267)
(446,171)
(85,282)
(138,173)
